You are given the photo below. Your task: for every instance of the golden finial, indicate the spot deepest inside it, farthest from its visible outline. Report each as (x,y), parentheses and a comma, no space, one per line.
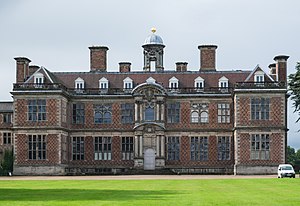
(153,30)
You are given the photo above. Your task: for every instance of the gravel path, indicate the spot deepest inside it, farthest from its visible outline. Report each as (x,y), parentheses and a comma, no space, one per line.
(138,177)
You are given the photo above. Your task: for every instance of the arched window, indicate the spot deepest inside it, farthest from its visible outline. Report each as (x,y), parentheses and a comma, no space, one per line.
(204,117)
(107,117)
(195,117)
(98,117)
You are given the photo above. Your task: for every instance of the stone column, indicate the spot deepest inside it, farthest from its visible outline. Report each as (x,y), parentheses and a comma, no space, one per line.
(157,146)
(136,108)
(141,146)
(162,140)
(136,146)
(157,111)
(162,112)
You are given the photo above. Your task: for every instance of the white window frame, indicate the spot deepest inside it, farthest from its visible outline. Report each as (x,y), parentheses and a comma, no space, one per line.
(199,83)
(79,84)
(259,78)
(127,83)
(173,83)
(103,83)
(223,82)
(38,79)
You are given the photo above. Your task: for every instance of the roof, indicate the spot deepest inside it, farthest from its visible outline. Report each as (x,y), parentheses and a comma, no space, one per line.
(185,79)
(6,106)
(153,39)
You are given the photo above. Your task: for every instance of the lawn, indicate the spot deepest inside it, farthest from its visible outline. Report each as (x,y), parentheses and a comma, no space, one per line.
(151,192)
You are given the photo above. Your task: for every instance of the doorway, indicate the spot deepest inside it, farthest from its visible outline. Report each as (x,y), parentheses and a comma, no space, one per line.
(149,159)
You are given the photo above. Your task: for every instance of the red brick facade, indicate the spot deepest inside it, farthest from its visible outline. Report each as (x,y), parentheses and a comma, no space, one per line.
(75,119)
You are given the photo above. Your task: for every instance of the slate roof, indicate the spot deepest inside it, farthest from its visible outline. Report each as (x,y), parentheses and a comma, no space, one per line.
(186,79)
(6,106)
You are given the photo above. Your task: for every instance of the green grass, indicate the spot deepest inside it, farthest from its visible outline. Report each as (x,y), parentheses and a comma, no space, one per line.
(152,192)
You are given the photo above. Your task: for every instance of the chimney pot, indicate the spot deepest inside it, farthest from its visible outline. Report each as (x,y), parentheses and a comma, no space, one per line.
(124,67)
(181,66)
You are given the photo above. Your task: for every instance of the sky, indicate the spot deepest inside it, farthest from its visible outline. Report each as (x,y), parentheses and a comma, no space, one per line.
(56,34)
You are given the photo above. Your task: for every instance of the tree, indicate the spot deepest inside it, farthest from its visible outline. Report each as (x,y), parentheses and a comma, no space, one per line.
(7,163)
(294,84)
(291,155)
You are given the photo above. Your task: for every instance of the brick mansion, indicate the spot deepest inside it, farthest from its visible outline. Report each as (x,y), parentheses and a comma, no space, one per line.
(156,120)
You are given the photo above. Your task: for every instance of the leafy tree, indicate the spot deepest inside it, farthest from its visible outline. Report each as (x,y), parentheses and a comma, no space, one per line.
(291,155)
(7,163)
(294,84)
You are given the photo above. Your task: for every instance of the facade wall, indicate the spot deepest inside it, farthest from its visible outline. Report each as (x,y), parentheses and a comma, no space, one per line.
(53,116)
(52,150)
(212,161)
(243,110)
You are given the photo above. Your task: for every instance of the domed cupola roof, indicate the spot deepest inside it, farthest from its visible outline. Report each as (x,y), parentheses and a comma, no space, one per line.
(153,39)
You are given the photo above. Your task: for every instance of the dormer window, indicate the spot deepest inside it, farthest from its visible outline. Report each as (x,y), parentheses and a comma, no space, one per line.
(223,83)
(103,83)
(173,83)
(150,80)
(79,84)
(38,79)
(199,83)
(259,77)
(127,83)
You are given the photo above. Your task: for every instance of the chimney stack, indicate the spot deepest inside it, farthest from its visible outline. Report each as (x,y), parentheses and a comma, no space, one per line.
(124,67)
(22,67)
(181,66)
(207,57)
(281,68)
(98,58)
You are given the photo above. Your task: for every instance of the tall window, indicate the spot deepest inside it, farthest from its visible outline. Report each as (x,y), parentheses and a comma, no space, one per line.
(37,147)
(37,110)
(260,108)
(78,148)
(223,148)
(199,148)
(127,113)
(78,113)
(173,148)
(7,138)
(260,147)
(199,113)
(7,118)
(223,113)
(102,148)
(149,113)
(127,148)
(102,114)
(173,112)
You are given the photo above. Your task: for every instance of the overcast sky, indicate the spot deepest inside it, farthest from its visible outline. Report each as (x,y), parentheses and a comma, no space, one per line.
(56,34)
